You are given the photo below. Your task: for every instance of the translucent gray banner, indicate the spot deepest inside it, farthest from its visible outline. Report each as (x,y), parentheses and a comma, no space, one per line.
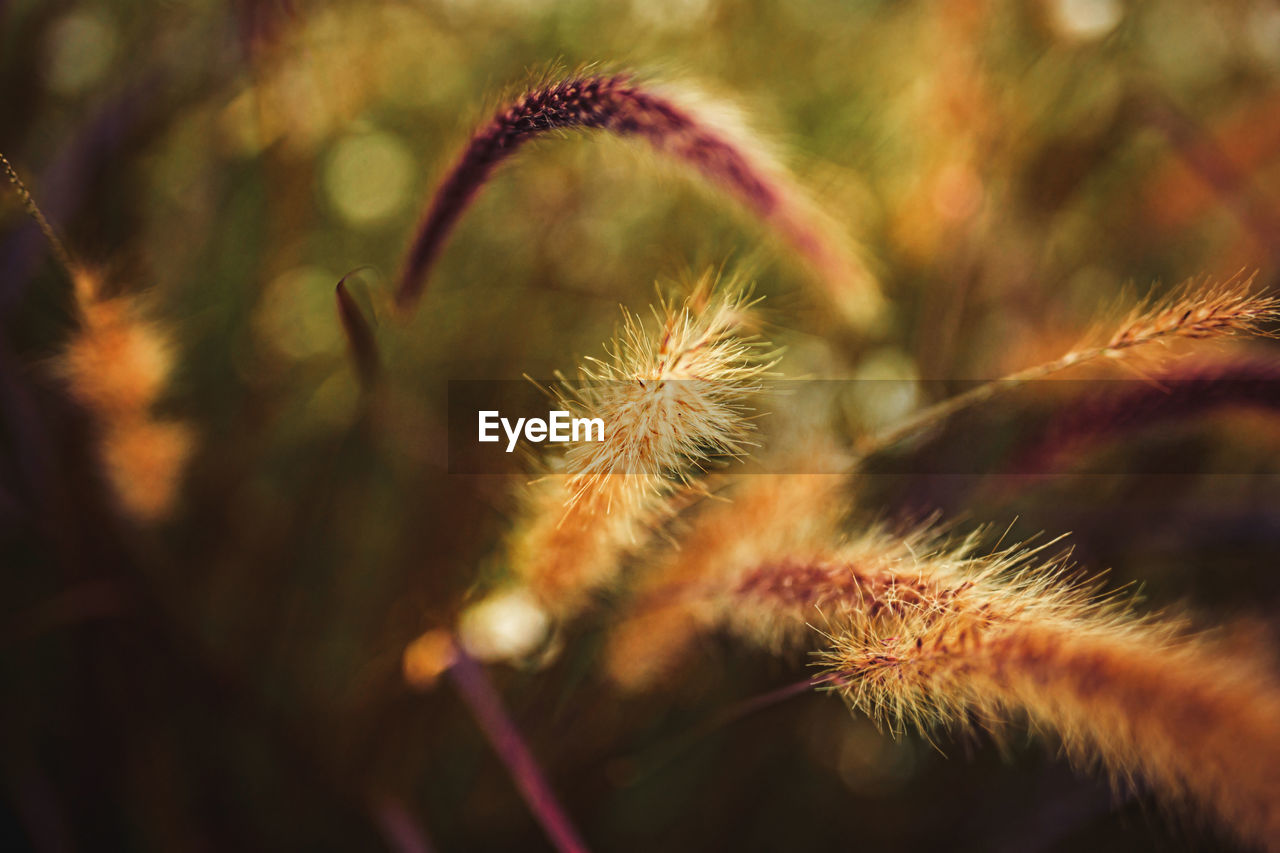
(890,426)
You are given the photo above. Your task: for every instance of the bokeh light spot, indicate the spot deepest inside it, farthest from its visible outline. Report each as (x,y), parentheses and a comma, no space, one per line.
(887,388)
(1085,19)
(79,51)
(367,177)
(506,626)
(297,316)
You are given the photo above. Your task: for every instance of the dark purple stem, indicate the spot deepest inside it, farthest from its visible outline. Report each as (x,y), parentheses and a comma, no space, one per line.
(486,705)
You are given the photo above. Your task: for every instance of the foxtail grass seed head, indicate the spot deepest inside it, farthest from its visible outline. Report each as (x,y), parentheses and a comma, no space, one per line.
(924,634)
(620,105)
(144,460)
(1227,309)
(116,364)
(758,520)
(671,393)
(1198,311)
(1148,702)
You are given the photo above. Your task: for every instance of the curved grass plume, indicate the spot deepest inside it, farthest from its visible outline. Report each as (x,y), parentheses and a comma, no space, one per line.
(618,104)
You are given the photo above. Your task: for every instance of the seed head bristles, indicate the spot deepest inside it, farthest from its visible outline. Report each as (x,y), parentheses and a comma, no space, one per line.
(922,633)
(670,398)
(116,365)
(765,565)
(1139,696)
(762,518)
(616,103)
(1231,307)
(33,210)
(1212,311)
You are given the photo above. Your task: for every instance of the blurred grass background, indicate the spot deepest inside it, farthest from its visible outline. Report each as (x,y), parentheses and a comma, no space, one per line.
(231,679)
